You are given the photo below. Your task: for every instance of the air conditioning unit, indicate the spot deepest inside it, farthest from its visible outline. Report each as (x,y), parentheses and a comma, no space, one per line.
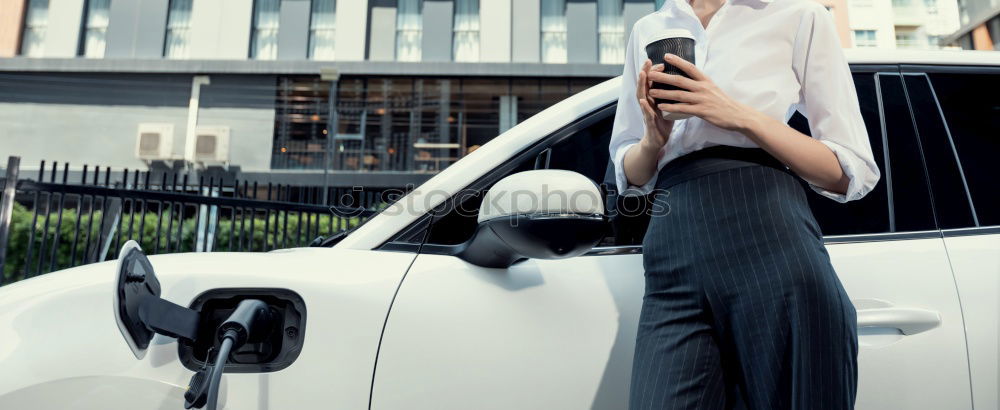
(154,141)
(211,144)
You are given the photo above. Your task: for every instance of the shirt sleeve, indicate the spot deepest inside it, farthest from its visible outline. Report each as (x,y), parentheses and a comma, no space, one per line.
(830,102)
(629,126)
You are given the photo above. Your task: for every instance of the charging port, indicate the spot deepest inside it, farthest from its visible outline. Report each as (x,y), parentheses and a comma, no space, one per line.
(277,350)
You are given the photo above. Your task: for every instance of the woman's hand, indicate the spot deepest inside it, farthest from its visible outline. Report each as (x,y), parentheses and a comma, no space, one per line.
(641,159)
(657,128)
(806,156)
(700,97)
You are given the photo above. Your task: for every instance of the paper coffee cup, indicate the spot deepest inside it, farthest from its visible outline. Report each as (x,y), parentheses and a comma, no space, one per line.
(676,41)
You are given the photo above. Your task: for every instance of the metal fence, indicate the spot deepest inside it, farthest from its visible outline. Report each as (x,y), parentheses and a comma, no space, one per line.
(56,224)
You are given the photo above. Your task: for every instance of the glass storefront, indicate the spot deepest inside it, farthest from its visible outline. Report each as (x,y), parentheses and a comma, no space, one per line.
(403,124)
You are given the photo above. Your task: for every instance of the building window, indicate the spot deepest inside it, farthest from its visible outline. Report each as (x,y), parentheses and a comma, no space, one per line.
(264,44)
(397,124)
(95,28)
(178,28)
(934,41)
(906,39)
(611,31)
(409,27)
(553,31)
(36,20)
(322,29)
(931,6)
(466,37)
(865,38)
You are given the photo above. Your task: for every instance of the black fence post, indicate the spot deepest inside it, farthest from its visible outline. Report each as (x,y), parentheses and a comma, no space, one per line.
(110,219)
(7,208)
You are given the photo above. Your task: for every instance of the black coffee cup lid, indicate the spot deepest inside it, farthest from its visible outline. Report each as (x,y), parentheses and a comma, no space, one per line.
(670,33)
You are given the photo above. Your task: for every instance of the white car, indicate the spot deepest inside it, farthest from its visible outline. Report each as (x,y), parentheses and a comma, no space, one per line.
(435,304)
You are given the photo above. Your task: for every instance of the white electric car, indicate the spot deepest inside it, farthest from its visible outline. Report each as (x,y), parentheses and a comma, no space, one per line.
(448,300)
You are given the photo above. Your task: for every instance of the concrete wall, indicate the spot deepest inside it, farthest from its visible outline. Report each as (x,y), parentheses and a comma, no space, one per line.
(840,12)
(635,10)
(136,29)
(93,119)
(526,31)
(435,41)
(352,24)
(382,38)
(494,31)
(581,31)
(873,17)
(220,29)
(293,31)
(62,37)
(11,22)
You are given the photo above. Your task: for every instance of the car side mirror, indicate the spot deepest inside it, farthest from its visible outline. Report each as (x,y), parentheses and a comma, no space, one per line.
(542,214)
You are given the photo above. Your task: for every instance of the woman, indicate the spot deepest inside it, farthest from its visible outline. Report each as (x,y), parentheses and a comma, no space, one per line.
(742,307)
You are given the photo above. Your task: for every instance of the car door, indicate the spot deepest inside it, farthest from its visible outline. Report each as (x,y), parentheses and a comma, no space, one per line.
(891,258)
(560,333)
(959,127)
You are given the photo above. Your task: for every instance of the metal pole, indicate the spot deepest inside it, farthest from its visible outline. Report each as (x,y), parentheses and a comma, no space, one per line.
(192,119)
(333,76)
(7,207)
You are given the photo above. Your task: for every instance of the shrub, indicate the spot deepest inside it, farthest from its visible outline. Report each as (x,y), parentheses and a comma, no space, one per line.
(21,228)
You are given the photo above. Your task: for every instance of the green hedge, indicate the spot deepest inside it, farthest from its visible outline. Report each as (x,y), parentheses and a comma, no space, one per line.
(21,227)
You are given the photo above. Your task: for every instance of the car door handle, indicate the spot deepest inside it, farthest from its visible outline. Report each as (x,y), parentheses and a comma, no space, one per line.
(909,321)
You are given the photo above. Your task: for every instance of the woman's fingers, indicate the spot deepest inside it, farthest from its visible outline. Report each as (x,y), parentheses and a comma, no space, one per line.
(679,108)
(674,79)
(676,95)
(685,66)
(642,92)
(647,109)
(643,83)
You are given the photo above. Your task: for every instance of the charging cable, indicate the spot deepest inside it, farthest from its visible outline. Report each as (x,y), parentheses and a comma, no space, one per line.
(252,320)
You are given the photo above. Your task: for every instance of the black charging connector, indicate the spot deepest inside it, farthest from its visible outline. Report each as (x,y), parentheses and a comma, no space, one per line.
(252,321)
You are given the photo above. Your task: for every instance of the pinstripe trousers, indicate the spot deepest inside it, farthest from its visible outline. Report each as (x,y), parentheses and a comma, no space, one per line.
(742,308)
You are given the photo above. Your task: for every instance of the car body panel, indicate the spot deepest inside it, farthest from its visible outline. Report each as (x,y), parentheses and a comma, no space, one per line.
(975,259)
(60,335)
(542,334)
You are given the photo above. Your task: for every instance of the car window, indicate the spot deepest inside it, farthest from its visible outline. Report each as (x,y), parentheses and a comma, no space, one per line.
(951,200)
(907,176)
(871,213)
(971,109)
(584,150)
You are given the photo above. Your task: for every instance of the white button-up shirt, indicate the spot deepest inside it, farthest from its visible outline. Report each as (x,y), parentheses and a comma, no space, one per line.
(776,56)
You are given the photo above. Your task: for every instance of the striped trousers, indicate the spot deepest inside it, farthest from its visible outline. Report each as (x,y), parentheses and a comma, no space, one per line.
(742,308)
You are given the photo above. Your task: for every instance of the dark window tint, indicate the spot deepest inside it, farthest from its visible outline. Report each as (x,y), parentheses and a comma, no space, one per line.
(871,213)
(908,191)
(971,105)
(951,202)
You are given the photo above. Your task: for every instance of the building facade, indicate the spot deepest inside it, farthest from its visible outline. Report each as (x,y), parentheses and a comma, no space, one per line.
(980,25)
(419,83)
(921,24)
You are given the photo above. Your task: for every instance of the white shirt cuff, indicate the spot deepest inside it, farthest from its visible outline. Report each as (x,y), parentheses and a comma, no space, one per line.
(621,181)
(861,179)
